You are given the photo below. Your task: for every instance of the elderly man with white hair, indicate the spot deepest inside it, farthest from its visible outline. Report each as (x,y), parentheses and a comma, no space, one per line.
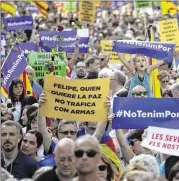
(35,86)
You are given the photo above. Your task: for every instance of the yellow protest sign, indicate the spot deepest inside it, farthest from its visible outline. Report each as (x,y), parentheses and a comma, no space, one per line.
(87,11)
(169,31)
(106,46)
(75,100)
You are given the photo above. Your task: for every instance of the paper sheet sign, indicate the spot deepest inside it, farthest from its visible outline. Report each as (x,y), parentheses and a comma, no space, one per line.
(162,140)
(75,100)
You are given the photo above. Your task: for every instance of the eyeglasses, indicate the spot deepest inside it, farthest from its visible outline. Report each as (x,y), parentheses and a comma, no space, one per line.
(132,142)
(67,132)
(102,167)
(102,59)
(165,81)
(89,153)
(144,93)
(92,128)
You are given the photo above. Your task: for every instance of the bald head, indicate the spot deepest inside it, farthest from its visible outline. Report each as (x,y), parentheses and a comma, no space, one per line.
(64,144)
(139,91)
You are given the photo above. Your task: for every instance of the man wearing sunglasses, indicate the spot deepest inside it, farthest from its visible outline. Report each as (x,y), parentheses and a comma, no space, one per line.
(88,155)
(139,91)
(104,60)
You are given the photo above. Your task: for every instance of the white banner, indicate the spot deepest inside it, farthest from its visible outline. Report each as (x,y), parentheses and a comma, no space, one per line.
(162,140)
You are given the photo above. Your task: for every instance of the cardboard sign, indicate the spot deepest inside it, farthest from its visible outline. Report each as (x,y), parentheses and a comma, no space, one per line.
(39,61)
(169,31)
(75,100)
(162,140)
(106,46)
(87,11)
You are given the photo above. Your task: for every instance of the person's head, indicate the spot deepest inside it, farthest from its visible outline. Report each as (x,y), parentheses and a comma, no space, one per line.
(169,164)
(64,157)
(29,100)
(165,66)
(117,79)
(135,138)
(139,91)
(140,62)
(93,64)
(174,173)
(105,73)
(135,173)
(16,91)
(104,59)
(31,142)
(40,171)
(24,120)
(149,162)
(97,44)
(32,115)
(10,135)
(30,73)
(175,90)
(164,78)
(80,69)
(90,127)
(87,153)
(67,129)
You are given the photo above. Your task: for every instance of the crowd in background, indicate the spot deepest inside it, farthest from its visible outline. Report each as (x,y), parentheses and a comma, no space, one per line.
(38,148)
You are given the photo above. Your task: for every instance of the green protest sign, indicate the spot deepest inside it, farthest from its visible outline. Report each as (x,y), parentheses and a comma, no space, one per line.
(70,6)
(40,62)
(143,4)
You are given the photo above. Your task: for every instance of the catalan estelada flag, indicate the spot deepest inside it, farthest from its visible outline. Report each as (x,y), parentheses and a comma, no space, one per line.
(42,7)
(8,7)
(27,86)
(169,7)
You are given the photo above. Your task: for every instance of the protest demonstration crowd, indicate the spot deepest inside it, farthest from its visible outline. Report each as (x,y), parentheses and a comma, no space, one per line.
(89,90)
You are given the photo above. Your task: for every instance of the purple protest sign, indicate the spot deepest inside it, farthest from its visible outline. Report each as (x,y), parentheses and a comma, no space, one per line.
(28,47)
(49,40)
(18,23)
(14,65)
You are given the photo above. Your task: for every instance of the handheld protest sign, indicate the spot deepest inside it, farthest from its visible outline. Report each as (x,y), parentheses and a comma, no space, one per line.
(76,100)
(40,61)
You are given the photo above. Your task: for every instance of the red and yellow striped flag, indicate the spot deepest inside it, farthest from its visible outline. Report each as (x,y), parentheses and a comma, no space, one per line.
(27,86)
(4,92)
(8,7)
(42,7)
(169,7)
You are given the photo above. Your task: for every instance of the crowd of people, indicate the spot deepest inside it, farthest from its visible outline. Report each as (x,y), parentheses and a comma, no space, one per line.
(34,147)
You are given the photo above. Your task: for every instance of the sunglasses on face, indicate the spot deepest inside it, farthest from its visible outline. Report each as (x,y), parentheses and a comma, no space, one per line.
(102,167)
(165,81)
(132,142)
(144,93)
(67,132)
(89,153)
(102,59)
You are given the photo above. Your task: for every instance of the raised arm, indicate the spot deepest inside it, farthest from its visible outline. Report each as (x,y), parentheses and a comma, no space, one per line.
(71,63)
(126,63)
(154,66)
(42,125)
(125,148)
(101,126)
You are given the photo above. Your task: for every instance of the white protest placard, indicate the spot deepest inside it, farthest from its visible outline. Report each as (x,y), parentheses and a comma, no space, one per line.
(162,140)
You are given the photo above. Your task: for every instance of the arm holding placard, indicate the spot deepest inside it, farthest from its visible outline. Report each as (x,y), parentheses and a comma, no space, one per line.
(125,148)
(101,126)
(126,63)
(42,125)
(154,66)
